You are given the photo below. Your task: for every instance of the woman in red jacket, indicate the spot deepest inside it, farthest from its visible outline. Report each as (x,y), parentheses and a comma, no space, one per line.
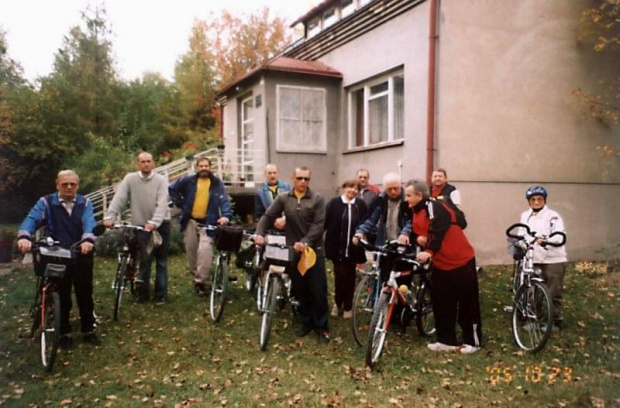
(455,283)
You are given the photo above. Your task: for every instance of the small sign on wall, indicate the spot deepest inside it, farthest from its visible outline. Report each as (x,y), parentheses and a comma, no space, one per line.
(258,101)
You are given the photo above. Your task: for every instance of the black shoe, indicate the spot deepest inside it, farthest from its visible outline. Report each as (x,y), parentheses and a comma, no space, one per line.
(324,337)
(303,331)
(140,299)
(160,302)
(200,288)
(92,338)
(65,341)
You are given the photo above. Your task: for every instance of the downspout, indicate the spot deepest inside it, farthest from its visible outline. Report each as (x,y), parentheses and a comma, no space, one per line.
(430,110)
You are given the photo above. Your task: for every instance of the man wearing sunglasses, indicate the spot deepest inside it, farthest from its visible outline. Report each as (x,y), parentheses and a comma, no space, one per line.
(305,215)
(68,217)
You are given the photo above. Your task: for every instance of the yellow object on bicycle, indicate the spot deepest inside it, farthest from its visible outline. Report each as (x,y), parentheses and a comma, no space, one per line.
(307,261)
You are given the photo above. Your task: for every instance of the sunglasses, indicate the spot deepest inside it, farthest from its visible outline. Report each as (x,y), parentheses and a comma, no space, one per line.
(299,178)
(68,184)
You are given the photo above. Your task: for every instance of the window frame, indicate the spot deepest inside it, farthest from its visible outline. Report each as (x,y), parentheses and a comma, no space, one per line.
(353,111)
(322,149)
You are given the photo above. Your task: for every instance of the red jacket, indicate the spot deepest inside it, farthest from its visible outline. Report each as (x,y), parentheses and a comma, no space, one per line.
(447,243)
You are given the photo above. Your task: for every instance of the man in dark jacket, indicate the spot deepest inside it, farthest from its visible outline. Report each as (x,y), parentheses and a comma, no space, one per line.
(69,218)
(305,216)
(203,200)
(442,190)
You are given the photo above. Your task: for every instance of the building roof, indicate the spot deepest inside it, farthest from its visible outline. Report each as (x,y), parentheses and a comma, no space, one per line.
(287,64)
(319,8)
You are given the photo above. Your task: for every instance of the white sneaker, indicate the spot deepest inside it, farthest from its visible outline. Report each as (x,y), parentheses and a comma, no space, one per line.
(335,311)
(441,347)
(347,314)
(468,349)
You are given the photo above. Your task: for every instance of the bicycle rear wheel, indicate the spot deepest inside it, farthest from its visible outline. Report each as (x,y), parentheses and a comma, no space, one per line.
(50,330)
(424,318)
(363,305)
(378,330)
(273,290)
(531,317)
(218,290)
(119,283)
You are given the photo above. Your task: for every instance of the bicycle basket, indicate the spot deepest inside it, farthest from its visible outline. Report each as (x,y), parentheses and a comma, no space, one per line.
(228,238)
(55,270)
(517,248)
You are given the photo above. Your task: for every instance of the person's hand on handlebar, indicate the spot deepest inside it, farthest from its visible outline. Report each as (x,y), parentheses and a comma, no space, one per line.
(24,245)
(222,221)
(403,239)
(423,257)
(356,238)
(86,247)
(259,240)
(108,223)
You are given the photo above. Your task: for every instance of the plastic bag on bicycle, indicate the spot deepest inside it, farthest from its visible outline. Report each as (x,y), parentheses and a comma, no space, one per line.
(244,257)
(517,248)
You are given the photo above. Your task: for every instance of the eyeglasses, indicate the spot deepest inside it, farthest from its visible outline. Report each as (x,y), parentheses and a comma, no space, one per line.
(299,178)
(65,185)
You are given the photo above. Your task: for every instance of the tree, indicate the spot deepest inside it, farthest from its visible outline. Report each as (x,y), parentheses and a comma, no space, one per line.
(600,30)
(240,45)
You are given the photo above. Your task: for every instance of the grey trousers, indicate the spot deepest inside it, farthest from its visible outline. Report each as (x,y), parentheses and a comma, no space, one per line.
(553,274)
(199,252)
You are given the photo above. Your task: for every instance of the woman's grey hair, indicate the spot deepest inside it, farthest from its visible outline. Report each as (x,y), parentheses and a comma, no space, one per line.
(419,187)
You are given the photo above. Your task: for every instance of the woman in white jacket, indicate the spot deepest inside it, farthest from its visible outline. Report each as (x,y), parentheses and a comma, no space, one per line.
(551,260)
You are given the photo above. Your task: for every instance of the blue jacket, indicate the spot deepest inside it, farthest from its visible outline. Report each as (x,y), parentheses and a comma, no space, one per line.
(49,212)
(183,192)
(378,218)
(262,199)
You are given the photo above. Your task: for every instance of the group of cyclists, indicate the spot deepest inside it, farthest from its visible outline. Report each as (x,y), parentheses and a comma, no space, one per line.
(414,214)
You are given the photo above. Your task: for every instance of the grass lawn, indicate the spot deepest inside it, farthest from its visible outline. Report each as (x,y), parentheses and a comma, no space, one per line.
(174,356)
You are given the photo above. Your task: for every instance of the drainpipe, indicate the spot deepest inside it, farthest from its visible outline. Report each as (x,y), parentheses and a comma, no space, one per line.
(430,110)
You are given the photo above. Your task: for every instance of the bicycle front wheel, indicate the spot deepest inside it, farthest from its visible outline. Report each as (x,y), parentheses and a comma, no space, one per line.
(531,317)
(119,286)
(273,290)
(424,318)
(218,290)
(378,330)
(364,299)
(50,330)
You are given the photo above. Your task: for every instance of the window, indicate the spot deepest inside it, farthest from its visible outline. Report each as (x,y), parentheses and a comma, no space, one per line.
(247,139)
(347,8)
(301,119)
(329,17)
(314,27)
(376,111)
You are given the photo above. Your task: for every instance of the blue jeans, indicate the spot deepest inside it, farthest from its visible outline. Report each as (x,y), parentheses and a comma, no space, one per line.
(161,267)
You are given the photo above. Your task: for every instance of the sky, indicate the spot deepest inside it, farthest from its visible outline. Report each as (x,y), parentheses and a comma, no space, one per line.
(147,35)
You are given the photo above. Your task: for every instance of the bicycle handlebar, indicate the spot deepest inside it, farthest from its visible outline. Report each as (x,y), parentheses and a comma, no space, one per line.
(126,225)
(391,247)
(533,233)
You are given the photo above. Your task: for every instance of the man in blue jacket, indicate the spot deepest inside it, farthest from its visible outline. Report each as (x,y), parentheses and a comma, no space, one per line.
(268,192)
(69,218)
(202,199)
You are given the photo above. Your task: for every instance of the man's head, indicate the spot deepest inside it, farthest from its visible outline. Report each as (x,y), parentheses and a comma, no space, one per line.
(203,167)
(415,192)
(301,179)
(439,178)
(391,185)
(67,184)
(536,197)
(145,163)
(271,174)
(363,176)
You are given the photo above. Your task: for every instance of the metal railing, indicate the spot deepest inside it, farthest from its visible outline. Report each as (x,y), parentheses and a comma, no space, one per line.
(233,166)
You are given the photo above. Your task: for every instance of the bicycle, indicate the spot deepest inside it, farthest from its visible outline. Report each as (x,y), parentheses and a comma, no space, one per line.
(275,288)
(369,287)
(249,258)
(414,303)
(225,241)
(127,259)
(50,265)
(532,306)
